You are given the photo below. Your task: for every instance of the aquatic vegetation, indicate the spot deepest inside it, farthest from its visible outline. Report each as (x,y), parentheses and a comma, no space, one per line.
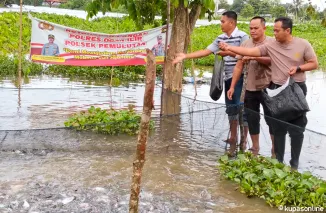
(274,182)
(9,67)
(112,122)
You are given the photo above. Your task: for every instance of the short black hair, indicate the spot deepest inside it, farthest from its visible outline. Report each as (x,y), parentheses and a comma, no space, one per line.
(262,19)
(286,23)
(231,14)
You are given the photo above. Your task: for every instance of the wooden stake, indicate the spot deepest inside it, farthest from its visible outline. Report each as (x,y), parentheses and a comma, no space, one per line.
(165,52)
(111,105)
(20,43)
(139,161)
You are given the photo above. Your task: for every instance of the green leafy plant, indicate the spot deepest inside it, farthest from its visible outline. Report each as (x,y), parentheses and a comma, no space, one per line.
(112,122)
(9,67)
(274,182)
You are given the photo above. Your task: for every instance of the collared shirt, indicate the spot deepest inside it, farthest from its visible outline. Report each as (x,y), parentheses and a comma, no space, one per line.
(236,39)
(50,49)
(259,75)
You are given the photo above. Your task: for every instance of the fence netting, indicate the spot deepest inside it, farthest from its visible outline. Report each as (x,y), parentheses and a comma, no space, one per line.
(35,145)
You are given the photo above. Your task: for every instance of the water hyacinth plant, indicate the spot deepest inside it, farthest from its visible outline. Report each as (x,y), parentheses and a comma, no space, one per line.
(274,182)
(112,122)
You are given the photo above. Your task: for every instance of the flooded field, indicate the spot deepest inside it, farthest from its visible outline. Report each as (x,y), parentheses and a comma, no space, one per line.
(47,168)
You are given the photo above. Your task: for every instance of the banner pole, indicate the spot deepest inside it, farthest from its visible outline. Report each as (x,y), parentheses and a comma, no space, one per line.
(20,43)
(165,52)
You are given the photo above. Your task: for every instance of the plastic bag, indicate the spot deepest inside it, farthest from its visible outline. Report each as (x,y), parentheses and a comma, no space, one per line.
(287,104)
(274,92)
(217,79)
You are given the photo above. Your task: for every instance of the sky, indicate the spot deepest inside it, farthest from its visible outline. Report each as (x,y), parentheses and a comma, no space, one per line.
(320,3)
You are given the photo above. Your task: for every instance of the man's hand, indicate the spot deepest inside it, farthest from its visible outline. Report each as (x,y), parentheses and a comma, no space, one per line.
(223,53)
(246,59)
(292,70)
(223,46)
(230,93)
(179,58)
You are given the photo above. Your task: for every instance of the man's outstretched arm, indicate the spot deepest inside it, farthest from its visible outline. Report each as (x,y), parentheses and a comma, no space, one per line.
(254,52)
(197,54)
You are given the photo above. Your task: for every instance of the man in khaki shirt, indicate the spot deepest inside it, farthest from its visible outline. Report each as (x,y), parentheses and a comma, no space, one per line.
(258,78)
(290,56)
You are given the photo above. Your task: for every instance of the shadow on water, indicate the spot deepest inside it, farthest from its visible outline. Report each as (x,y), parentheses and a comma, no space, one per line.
(62,170)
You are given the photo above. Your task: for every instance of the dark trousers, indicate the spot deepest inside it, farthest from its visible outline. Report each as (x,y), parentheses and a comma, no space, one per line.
(232,106)
(253,100)
(295,128)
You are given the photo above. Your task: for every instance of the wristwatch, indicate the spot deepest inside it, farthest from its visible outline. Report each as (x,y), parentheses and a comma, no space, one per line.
(298,69)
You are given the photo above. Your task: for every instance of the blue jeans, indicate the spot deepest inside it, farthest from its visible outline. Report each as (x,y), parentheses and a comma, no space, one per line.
(232,106)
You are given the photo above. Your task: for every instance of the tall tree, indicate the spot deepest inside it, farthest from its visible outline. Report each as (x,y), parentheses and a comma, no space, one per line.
(223,4)
(265,7)
(297,5)
(290,8)
(256,4)
(247,11)
(311,12)
(278,11)
(237,5)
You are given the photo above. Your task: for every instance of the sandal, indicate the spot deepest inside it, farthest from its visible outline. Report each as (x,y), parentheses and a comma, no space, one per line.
(229,141)
(254,151)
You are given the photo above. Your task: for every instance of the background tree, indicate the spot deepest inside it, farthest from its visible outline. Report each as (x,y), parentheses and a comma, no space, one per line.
(278,11)
(265,7)
(223,4)
(290,8)
(247,11)
(256,4)
(311,12)
(237,5)
(75,4)
(297,6)
(6,2)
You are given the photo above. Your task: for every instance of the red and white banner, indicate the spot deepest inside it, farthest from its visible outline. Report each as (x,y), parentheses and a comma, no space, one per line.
(56,44)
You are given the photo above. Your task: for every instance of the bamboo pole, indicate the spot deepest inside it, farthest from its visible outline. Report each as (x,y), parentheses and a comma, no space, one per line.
(165,52)
(241,111)
(139,161)
(111,98)
(20,43)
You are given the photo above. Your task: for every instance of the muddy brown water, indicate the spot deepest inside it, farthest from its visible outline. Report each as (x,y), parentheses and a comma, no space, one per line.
(61,170)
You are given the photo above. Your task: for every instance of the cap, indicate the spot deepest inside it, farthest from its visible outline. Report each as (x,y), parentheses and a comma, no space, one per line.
(159,37)
(50,36)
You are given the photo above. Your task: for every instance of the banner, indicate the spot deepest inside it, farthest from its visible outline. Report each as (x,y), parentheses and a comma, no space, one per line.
(56,44)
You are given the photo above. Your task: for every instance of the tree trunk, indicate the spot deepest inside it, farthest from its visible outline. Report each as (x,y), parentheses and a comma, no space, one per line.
(143,132)
(171,104)
(183,24)
(182,28)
